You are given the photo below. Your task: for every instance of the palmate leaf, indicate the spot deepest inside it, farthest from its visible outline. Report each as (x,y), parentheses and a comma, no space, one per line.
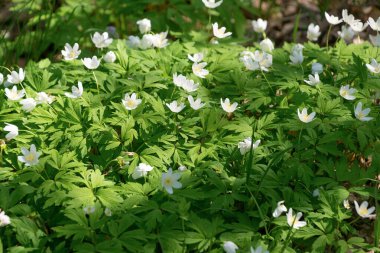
(77,231)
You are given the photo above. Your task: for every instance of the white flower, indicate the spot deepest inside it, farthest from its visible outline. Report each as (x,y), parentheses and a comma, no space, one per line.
(227,106)
(313,32)
(159,40)
(316,192)
(198,57)
(258,250)
(29,157)
(174,107)
(16,78)
(349,18)
(28,104)
(190,85)
(187,84)
(197,104)
(294,221)
(76,92)
(70,53)
(107,212)
(230,247)
(110,57)
(332,19)
(179,80)
(141,170)
(1,78)
(43,98)
(220,32)
(346,33)
(374,67)
(316,68)
(266,45)
(358,26)
(12,129)
(296,56)
(91,63)
(304,117)
(279,209)
(364,211)
(347,92)
(211,3)
(144,25)
(133,41)
(313,80)
(89,209)
(259,25)
(375,25)
(346,204)
(131,102)
(101,40)
(182,168)
(375,40)
(362,114)
(4,219)
(14,94)
(170,180)
(146,41)
(245,145)
(258,60)
(199,69)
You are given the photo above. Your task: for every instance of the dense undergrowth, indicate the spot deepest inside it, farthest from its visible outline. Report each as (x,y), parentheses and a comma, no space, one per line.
(116,153)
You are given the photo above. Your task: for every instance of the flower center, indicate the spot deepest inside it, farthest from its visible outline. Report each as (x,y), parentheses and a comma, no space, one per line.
(168,181)
(72,54)
(29,157)
(131,103)
(363,212)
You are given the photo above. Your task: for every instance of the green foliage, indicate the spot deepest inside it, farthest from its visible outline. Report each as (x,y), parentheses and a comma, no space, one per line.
(91,146)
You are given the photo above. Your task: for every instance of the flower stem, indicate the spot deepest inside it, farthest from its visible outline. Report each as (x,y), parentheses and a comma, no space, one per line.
(96,80)
(288,237)
(265,77)
(249,166)
(328,37)
(299,137)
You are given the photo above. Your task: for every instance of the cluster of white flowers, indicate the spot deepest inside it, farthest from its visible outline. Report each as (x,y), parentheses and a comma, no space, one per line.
(293,220)
(257,60)
(148,40)
(14,94)
(354,26)
(187,84)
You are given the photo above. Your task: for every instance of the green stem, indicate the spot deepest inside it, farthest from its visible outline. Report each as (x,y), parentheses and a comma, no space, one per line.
(259,209)
(265,77)
(355,220)
(96,80)
(249,166)
(299,137)
(288,237)
(328,37)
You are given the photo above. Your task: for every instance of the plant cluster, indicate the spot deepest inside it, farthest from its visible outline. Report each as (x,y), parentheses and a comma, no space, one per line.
(152,145)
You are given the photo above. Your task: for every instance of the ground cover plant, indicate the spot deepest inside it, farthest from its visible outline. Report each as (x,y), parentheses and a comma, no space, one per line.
(157,145)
